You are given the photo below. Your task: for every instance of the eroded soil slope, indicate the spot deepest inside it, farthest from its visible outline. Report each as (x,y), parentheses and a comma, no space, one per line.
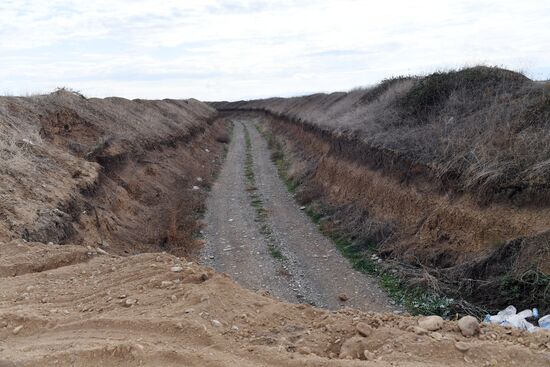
(129,176)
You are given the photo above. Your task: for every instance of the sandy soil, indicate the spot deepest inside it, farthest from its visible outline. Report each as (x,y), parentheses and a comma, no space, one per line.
(157,309)
(312,270)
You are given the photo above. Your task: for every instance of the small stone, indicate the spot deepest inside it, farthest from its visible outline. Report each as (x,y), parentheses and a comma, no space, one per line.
(176,269)
(129,302)
(369,356)
(363,329)
(216,323)
(166,283)
(304,350)
(204,277)
(354,348)
(174,298)
(101,251)
(188,310)
(235,328)
(420,331)
(16,330)
(469,326)
(343,297)
(431,323)
(461,346)
(437,336)
(196,188)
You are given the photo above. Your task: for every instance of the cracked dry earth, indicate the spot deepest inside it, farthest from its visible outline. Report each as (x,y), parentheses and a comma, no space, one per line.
(310,270)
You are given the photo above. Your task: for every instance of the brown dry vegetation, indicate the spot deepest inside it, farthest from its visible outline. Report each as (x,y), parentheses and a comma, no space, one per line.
(481,130)
(447,175)
(109,172)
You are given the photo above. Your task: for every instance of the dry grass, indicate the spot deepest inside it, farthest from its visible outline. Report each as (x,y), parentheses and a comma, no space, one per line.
(481,130)
(122,169)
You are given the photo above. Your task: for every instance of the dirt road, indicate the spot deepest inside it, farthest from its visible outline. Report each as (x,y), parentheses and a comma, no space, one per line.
(310,269)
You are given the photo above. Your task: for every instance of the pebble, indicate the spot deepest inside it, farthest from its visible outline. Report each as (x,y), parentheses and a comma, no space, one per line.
(469,326)
(176,269)
(343,297)
(369,356)
(129,302)
(304,350)
(353,348)
(461,346)
(363,329)
(437,336)
(216,323)
(420,331)
(17,329)
(431,323)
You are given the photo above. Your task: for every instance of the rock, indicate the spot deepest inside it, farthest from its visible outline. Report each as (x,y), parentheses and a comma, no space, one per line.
(369,356)
(420,331)
(343,297)
(354,348)
(431,323)
(363,329)
(196,188)
(437,336)
(189,310)
(166,283)
(16,330)
(463,347)
(101,251)
(216,323)
(304,350)
(469,326)
(204,277)
(129,302)
(176,269)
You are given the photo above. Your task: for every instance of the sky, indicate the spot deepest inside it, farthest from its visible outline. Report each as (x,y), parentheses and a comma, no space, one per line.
(244,49)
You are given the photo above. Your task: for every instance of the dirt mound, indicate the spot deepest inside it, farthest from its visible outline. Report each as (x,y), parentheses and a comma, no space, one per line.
(110,172)
(157,309)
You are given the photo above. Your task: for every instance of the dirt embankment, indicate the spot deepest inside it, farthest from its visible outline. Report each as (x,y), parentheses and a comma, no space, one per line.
(387,179)
(128,176)
(160,310)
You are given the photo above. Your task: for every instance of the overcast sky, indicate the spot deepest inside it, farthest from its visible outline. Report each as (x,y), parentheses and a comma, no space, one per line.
(214,50)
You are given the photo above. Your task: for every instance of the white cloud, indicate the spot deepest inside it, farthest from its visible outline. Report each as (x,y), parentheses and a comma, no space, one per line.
(242,49)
